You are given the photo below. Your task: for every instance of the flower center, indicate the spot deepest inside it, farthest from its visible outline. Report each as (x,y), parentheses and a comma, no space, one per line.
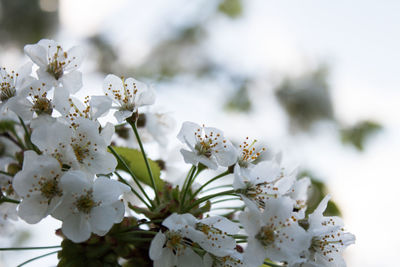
(249,153)
(55,67)
(42,105)
(85,203)
(266,236)
(204,148)
(7,91)
(50,189)
(81,152)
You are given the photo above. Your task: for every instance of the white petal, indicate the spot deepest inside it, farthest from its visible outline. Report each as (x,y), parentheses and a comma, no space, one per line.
(21,106)
(156,246)
(146,98)
(119,208)
(189,157)
(254,254)
(222,223)
(107,132)
(189,258)
(102,219)
(37,54)
(211,164)
(107,190)
(75,57)
(121,115)
(227,156)
(100,105)
(187,133)
(111,83)
(238,181)
(33,209)
(178,221)
(207,260)
(72,81)
(75,181)
(76,228)
(60,100)
(102,163)
(251,221)
(280,209)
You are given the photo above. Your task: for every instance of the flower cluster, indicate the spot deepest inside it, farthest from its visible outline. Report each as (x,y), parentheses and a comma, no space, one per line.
(57,159)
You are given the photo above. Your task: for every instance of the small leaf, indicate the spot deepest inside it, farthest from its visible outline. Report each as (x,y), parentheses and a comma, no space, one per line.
(231,8)
(358,134)
(136,163)
(7,125)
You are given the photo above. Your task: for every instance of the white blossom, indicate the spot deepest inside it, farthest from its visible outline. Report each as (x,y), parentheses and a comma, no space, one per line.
(79,146)
(7,210)
(11,84)
(128,94)
(89,207)
(172,248)
(211,234)
(57,67)
(38,185)
(328,239)
(273,233)
(249,154)
(91,108)
(264,181)
(159,126)
(32,102)
(207,146)
(233,260)
(299,193)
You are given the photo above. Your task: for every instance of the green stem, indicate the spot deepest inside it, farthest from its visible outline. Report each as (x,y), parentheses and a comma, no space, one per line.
(135,179)
(188,181)
(6,173)
(187,178)
(122,180)
(9,137)
(38,257)
(17,137)
(240,236)
(29,248)
(28,135)
(210,181)
(153,183)
(9,200)
(273,265)
(201,200)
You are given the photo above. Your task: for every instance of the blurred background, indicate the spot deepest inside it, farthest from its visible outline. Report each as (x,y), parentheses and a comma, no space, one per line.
(315,80)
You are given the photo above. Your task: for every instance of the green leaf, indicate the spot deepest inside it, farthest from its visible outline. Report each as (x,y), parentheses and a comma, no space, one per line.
(231,8)
(7,125)
(358,134)
(135,161)
(318,192)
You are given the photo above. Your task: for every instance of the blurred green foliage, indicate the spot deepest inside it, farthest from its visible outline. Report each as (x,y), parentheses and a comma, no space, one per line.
(306,99)
(317,193)
(231,8)
(358,134)
(27,21)
(240,99)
